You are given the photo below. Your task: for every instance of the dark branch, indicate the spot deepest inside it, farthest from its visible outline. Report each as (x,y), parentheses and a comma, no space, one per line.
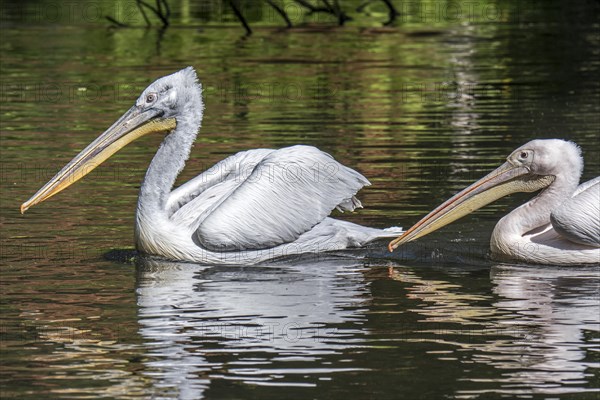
(364,5)
(281,12)
(115,22)
(306,4)
(139,5)
(312,9)
(239,15)
(392,12)
(328,6)
(157,11)
(337,11)
(167,9)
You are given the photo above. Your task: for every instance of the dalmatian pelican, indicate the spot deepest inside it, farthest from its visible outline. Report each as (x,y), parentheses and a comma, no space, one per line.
(253,206)
(560,226)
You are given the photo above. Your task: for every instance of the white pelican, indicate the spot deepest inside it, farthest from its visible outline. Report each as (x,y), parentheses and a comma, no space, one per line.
(560,226)
(253,206)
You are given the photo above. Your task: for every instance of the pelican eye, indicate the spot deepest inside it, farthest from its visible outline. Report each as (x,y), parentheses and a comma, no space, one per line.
(523,157)
(151,98)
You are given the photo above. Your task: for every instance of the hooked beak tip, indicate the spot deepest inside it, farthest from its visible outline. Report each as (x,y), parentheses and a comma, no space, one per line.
(26,206)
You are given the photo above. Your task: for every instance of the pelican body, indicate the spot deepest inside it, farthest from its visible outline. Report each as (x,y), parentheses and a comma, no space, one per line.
(253,206)
(560,226)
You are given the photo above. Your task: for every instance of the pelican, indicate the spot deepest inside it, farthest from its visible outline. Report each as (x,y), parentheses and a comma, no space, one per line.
(253,206)
(560,226)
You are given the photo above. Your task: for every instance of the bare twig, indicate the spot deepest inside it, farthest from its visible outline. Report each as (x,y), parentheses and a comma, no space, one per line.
(167,9)
(392,12)
(239,15)
(162,11)
(334,9)
(328,6)
(115,22)
(337,11)
(306,4)
(281,12)
(159,13)
(364,5)
(139,4)
(156,10)
(311,8)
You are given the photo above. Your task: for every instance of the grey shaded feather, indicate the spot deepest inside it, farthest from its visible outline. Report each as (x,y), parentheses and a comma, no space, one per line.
(213,185)
(286,193)
(578,218)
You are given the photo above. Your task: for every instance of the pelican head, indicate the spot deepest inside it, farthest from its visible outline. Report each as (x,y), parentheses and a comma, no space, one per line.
(531,167)
(169,101)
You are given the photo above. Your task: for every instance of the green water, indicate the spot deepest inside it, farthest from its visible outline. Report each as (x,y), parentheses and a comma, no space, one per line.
(422,109)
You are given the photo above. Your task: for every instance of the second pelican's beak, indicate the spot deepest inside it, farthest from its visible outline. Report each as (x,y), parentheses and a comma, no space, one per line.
(133,124)
(507,179)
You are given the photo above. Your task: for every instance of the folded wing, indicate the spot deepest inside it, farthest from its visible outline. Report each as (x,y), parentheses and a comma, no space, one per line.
(260,200)
(578,218)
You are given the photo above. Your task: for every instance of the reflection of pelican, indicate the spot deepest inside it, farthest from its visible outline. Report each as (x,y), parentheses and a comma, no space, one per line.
(250,207)
(550,311)
(559,226)
(206,325)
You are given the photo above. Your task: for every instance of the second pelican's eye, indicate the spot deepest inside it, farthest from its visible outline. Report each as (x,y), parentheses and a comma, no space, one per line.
(150,98)
(523,156)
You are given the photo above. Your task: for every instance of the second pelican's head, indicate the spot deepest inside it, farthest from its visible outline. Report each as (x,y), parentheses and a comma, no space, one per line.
(529,168)
(168,102)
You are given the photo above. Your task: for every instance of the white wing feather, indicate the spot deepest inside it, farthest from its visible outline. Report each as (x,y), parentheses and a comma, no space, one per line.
(232,169)
(262,198)
(578,218)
